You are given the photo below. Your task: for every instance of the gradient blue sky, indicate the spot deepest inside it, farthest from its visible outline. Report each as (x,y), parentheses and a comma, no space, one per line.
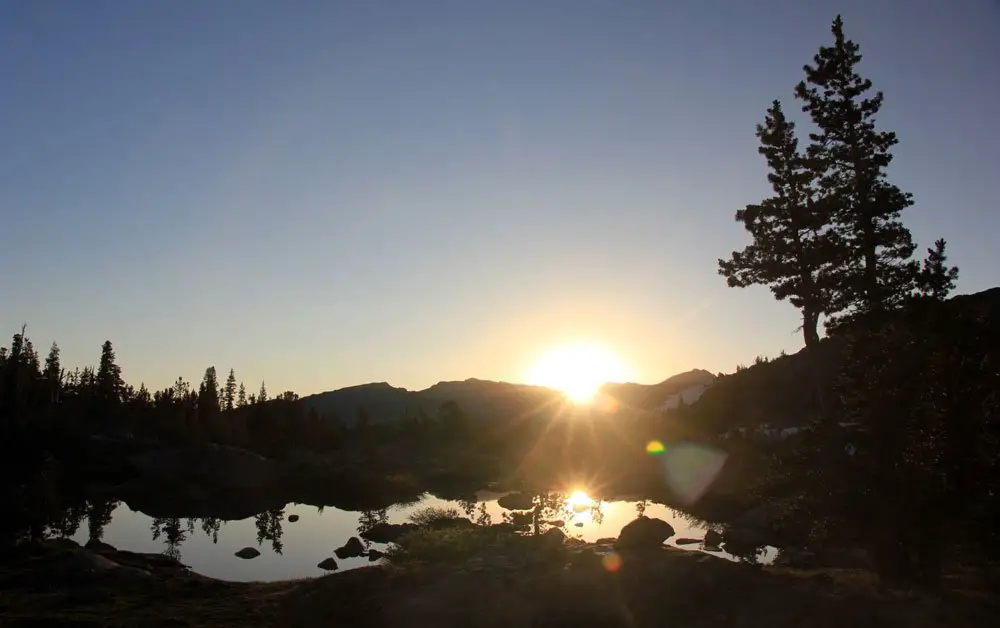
(324,193)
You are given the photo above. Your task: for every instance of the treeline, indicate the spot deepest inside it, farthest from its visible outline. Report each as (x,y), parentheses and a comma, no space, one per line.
(42,404)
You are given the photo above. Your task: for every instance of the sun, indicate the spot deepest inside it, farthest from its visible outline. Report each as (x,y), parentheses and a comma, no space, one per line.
(579,502)
(578,370)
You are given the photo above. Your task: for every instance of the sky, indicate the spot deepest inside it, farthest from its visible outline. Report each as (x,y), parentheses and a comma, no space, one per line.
(321,194)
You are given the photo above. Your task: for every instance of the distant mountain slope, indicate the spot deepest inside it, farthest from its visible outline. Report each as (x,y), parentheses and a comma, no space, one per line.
(689,385)
(380,400)
(485,399)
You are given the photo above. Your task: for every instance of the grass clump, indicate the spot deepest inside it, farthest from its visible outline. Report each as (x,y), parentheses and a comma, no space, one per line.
(441,545)
(432,514)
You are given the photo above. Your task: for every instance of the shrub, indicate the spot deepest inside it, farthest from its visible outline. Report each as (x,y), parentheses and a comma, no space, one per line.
(450,545)
(432,514)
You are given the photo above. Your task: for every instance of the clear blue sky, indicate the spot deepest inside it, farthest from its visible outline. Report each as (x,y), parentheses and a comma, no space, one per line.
(324,193)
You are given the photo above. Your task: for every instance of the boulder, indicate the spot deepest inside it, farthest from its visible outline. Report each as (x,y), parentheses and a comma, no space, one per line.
(374,554)
(687,541)
(644,533)
(554,537)
(352,549)
(293,518)
(517,501)
(713,538)
(328,564)
(248,553)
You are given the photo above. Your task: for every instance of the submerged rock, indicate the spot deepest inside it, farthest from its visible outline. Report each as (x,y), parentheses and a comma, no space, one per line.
(248,553)
(687,541)
(644,533)
(329,564)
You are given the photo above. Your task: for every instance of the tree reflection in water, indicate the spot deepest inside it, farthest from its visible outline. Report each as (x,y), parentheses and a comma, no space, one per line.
(269,528)
(368,520)
(211,526)
(175,533)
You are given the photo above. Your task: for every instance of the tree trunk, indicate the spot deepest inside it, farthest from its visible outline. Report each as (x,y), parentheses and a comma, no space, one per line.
(873,296)
(810,320)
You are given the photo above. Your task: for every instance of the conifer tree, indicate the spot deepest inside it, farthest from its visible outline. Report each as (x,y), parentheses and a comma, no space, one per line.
(874,270)
(791,248)
(208,394)
(937,279)
(262,395)
(241,396)
(53,373)
(109,375)
(229,395)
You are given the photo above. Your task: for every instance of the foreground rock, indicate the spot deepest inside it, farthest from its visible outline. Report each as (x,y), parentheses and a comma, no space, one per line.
(644,533)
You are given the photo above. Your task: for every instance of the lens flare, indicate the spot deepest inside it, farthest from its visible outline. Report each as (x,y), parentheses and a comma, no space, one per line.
(655,447)
(690,469)
(612,562)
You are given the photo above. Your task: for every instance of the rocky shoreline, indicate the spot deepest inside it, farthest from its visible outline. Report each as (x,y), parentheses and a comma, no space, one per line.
(549,580)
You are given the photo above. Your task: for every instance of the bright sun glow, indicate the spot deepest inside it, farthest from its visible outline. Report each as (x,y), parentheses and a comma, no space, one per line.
(578,370)
(579,502)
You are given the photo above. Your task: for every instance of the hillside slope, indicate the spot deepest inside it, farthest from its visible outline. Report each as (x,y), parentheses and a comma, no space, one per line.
(792,390)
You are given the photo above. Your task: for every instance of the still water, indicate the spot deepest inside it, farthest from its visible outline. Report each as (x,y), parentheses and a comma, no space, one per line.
(318,532)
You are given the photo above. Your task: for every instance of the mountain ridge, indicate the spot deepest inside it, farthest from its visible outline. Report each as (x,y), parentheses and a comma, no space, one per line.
(484,399)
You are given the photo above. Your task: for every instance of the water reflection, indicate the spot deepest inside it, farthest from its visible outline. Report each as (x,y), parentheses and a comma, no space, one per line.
(208,545)
(269,528)
(174,533)
(367,520)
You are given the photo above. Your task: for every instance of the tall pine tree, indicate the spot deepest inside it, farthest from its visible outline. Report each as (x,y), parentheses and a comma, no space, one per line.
(791,247)
(109,375)
(53,373)
(229,394)
(874,270)
(208,395)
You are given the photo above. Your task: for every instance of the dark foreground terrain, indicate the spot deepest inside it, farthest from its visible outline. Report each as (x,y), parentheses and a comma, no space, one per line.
(519,583)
